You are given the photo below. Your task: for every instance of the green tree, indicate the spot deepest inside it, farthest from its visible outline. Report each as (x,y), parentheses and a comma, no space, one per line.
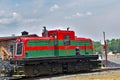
(113,45)
(118,49)
(97,47)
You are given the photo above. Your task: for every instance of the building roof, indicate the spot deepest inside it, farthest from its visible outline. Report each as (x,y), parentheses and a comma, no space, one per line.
(15,37)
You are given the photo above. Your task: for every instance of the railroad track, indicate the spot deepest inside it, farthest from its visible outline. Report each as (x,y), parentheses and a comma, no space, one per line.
(62,75)
(104,69)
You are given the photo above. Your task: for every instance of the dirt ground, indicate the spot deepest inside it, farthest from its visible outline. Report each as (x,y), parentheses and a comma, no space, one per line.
(99,76)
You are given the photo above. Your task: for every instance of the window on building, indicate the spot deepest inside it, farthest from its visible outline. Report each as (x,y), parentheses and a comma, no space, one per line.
(66,40)
(19,48)
(12,48)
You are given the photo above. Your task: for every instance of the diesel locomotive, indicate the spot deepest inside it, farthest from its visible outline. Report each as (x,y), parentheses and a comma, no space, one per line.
(57,51)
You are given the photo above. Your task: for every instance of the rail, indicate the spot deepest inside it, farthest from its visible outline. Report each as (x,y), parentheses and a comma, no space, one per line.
(67,74)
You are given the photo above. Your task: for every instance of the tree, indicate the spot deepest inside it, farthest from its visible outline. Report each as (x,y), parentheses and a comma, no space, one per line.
(97,47)
(114,45)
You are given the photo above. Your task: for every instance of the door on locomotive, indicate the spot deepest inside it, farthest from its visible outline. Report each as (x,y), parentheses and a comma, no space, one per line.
(55,43)
(64,42)
(19,46)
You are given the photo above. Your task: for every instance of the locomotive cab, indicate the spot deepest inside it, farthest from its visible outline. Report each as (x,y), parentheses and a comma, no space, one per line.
(64,42)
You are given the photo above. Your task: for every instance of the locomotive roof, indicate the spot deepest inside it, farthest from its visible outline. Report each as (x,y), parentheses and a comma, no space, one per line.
(84,39)
(60,30)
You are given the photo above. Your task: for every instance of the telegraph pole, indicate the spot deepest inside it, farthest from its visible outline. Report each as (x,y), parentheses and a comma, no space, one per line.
(105,48)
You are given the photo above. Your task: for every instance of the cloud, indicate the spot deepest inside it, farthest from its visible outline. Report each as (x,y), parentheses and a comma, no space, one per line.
(78,15)
(2,12)
(26,21)
(5,21)
(13,17)
(89,13)
(17,5)
(54,8)
(16,16)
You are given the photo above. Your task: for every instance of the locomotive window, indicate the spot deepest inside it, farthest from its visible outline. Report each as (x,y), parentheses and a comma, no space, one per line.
(66,40)
(19,48)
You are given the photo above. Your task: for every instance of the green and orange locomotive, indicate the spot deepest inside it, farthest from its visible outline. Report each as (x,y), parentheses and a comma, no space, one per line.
(57,51)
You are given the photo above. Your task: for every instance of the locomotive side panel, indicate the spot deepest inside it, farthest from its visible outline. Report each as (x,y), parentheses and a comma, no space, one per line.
(85,46)
(40,48)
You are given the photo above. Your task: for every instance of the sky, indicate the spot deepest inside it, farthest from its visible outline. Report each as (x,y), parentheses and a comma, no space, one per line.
(88,18)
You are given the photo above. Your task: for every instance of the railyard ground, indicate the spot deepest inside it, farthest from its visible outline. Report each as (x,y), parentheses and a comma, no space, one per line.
(99,76)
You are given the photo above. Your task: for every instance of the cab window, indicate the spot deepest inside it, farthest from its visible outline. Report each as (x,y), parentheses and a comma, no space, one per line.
(66,40)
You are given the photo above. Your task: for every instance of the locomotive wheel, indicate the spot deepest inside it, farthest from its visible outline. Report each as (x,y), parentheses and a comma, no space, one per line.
(39,69)
(56,68)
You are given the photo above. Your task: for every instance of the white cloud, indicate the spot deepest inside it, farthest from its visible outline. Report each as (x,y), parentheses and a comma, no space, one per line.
(5,21)
(2,13)
(54,8)
(16,17)
(3,27)
(12,17)
(17,5)
(89,13)
(27,21)
(68,17)
(14,14)
(58,28)
(78,15)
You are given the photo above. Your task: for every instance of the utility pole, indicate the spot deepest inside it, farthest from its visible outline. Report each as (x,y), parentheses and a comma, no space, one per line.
(105,48)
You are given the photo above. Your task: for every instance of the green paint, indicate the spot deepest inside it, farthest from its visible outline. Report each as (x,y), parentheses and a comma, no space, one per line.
(46,53)
(40,43)
(73,52)
(61,42)
(83,43)
(48,42)
(64,53)
(39,53)
(56,52)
